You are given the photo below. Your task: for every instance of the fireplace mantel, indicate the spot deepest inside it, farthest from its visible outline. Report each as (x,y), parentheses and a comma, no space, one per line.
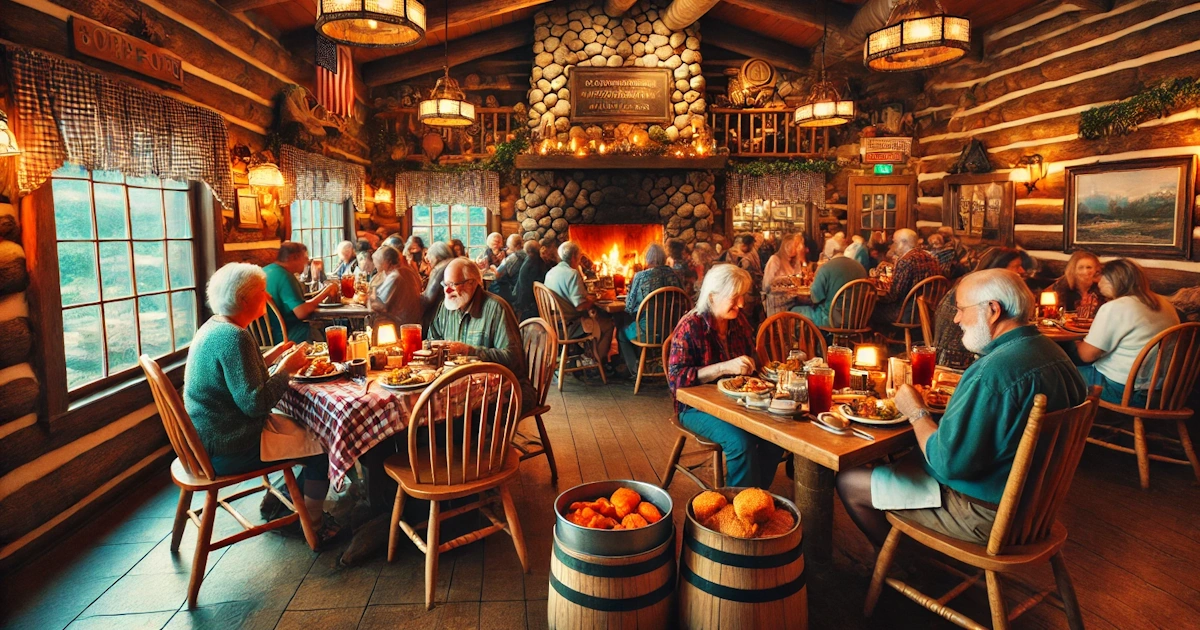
(638,162)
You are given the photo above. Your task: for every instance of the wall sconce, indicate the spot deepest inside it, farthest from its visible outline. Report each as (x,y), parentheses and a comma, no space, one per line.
(1029,170)
(265,175)
(383,195)
(8,141)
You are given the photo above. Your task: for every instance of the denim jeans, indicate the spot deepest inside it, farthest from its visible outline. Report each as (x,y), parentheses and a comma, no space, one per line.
(819,314)
(1110,390)
(749,460)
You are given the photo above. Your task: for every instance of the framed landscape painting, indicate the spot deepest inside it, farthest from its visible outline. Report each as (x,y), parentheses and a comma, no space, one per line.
(1131,208)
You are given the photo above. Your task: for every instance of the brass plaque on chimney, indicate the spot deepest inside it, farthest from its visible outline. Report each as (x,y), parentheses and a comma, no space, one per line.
(621,95)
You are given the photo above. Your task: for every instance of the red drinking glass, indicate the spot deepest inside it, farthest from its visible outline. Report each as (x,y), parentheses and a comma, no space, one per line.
(335,337)
(924,358)
(820,390)
(839,359)
(410,340)
(619,283)
(348,286)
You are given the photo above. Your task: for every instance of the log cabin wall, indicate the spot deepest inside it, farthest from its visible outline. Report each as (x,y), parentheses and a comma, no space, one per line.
(55,472)
(1040,69)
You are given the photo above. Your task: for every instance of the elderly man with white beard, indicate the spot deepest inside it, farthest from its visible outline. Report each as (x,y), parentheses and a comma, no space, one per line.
(474,322)
(953,484)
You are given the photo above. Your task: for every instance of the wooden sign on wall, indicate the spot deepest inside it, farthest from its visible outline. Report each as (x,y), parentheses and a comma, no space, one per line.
(600,95)
(96,40)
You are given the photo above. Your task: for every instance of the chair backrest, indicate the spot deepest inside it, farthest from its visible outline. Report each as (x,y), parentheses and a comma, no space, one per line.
(539,341)
(925,318)
(550,310)
(785,331)
(852,305)
(666,355)
(180,430)
(1041,473)
(660,311)
(262,330)
(1172,361)
(933,289)
(471,413)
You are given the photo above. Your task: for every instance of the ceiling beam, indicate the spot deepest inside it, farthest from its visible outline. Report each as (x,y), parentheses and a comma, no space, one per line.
(467,11)
(427,60)
(743,42)
(809,13)
(614,8)
(683,13)
(237,6)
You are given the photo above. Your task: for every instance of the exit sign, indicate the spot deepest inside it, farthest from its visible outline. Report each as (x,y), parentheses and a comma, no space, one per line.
(883,169)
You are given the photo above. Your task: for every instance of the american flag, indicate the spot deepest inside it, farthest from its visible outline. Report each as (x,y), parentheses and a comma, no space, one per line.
(335,77)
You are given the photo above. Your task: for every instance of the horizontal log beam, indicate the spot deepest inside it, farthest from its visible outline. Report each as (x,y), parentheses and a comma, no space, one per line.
(743,42)
(839,15)
(427,60)
(683,13)
(237,6)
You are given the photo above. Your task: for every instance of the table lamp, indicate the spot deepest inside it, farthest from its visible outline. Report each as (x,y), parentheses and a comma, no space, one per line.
(870,358)
(1049,303)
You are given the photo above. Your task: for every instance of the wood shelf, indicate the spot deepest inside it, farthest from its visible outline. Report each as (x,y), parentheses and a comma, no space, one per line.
(592,162)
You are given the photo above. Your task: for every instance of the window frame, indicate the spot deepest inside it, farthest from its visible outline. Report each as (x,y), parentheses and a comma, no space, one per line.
(487,224)
(347,233)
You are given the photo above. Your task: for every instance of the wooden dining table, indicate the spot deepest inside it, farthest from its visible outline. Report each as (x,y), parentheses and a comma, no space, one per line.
(817,455)
(347,310)
(1059,334)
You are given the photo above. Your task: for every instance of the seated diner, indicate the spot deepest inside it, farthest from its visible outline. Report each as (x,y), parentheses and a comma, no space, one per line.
(836,273)
(655,276)
(947,335)
(288,294)
(565,280)
(1078,289)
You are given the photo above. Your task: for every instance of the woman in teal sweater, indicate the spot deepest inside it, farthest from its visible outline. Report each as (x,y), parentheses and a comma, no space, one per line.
(229,392)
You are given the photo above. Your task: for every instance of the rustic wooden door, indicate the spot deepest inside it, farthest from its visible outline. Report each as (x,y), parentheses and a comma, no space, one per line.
(880,204)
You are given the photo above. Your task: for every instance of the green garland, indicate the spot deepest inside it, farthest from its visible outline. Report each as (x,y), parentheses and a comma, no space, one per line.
(760,168)
(503,161)
(1124,117)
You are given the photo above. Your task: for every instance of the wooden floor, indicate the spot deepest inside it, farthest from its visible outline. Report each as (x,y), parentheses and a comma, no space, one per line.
(1133,554)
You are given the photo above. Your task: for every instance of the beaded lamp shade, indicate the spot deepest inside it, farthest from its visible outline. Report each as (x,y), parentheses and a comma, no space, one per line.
(266,175)
(372,23)
(447,105)
(824,107)
(918,35)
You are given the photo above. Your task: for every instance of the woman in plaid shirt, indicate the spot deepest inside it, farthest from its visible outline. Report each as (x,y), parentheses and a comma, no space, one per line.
(712,341)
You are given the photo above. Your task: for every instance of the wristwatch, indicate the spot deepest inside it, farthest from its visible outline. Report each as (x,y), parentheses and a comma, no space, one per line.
(919,414)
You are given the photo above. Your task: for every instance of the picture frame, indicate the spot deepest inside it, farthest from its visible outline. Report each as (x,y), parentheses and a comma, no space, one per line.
(248,213)
(1142,208)
(980,208)
(890,116)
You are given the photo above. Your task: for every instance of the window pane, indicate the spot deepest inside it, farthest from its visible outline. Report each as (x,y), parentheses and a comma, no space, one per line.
(337,215)
(72,209)
(155,325)
(112,177)
(122,336)
(149,265)
(458,214)
(145,212)
(318,214)
(459,232)
(478,215)
(175,184)
(77,273)
(441,233)
(441,215)
(183,312)
(71,170)
(82,342)
(145,182)
(478,234)
(423,233)
(110,211)
(116,272)
(298,218)
(179,264)
(476,252)
(179,224)
(420,215)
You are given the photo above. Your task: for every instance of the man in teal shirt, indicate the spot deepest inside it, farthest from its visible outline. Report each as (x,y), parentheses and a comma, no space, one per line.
(954,484)
(836,273)
(288,294)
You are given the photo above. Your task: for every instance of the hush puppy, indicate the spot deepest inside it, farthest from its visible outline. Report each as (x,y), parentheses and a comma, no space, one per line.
(625,501)
(781,522)
(708,503)
(729,523)
(633,520)
(754,505)
(647,511)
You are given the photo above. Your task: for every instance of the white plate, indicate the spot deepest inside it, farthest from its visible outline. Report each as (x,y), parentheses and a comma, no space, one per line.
(822,425)
(742,402)
(731,394)
(403,388)
(327,305)
(339,369)
(846,411)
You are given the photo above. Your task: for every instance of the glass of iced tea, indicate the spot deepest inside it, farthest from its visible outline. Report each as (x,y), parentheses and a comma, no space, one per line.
(839,359)
(410,340)
(335,337)
(348,286)
(924,358)
(820,390)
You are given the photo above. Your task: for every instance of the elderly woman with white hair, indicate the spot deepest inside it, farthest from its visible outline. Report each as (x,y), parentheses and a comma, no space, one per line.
(229,391)
(655,276)
(712,341)
(493,254)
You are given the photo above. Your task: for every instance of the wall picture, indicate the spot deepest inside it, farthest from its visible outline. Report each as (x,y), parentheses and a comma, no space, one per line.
(1131,208)
(248,215)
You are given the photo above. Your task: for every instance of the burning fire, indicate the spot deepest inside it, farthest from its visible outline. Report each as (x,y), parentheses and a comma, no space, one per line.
(612,264)
(616,249)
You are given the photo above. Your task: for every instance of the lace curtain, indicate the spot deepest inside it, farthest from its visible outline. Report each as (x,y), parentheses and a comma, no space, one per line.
(470,188)
(316,177)
(790,188)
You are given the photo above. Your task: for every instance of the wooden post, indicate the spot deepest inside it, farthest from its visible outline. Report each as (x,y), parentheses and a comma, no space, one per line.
(814,497)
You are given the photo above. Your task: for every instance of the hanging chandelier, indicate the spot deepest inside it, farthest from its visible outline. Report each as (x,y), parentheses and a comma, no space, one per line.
(8,141)
(824,106)
(447,105)
(918,35)
(264,175)
(372,23)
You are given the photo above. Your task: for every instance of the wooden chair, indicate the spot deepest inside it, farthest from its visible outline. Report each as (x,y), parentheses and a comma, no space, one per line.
(926,318)
(933,289)
(473,455)
(539,340)
(261,327)
(783,332)
(1025,530)
(193,472)
(661,310)
(850,310)
(1176,361)
(705,447)
(550,309)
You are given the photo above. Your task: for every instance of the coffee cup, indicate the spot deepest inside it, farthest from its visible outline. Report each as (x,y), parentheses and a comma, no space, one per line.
(358,368)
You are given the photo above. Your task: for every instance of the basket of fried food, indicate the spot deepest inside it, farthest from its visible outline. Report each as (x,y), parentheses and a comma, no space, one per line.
(743,512)
(318,368)
(771,369)
(937,395)
(613,518)
(410,377)
(742,386)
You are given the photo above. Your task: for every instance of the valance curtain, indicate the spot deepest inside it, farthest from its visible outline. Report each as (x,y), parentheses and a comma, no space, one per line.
(314,177)
(470,188)
(68,113)
(789,188)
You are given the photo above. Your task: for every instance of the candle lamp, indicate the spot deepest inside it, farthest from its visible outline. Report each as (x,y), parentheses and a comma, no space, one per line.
(602,148)
(1049,304)
(870,358)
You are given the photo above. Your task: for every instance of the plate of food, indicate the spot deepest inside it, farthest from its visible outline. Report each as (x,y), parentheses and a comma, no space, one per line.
(937,396)
(742,386)
(408,378)
(318,349)
(319,369)
(1078,324)
(323,304)
(872,410)
(770,370)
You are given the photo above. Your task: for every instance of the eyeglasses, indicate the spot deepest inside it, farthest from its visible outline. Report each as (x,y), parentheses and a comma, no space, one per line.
(963,309)
(446,284)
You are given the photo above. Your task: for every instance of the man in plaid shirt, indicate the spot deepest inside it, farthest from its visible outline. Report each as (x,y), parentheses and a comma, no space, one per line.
(912,266)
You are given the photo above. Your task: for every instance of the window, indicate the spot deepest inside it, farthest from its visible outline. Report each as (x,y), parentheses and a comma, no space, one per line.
(127,271)
(442,223)
(320,225)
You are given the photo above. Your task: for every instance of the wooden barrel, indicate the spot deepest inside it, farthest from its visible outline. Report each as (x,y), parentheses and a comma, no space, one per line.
(740,584)
(589,591)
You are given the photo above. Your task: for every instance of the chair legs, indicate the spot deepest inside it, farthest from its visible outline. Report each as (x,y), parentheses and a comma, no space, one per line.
(676,451)
(1186,441)
(637,384)
(546,447)
(718,470)
(599,360)
(514,526)
(394,527)
(1066,591)
(996,601)
(203,539)
(181,518)
(882,564)
(432,540)
(562,366)
(310,535)
(1143,454)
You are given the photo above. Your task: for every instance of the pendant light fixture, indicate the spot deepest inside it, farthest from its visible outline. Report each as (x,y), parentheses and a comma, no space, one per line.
(447,105)
(824,106)
(918,35)
(372,23)
(264,175)
(8,141)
